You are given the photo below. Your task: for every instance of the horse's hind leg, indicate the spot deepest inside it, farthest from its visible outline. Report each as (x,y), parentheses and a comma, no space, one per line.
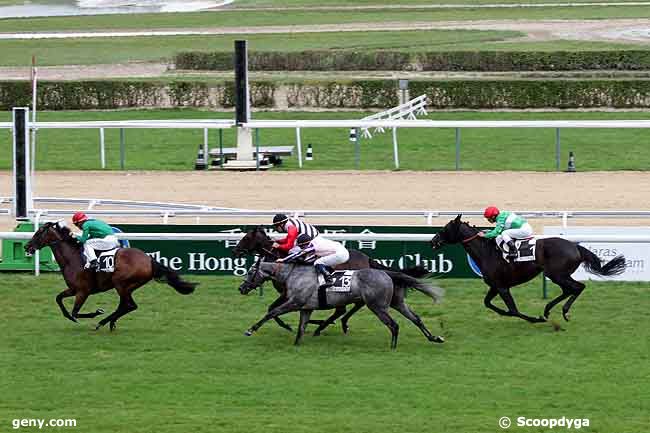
(512,307)
(59,301)
(413,317)
(383,315)
(565,294)
(129,306)
(353,310)
(80,298)
(578,287)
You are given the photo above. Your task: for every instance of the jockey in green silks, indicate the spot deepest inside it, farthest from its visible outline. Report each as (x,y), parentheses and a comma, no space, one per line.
(509,226)
(97,235)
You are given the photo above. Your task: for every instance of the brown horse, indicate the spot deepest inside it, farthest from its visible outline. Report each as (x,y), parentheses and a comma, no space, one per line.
(133,268)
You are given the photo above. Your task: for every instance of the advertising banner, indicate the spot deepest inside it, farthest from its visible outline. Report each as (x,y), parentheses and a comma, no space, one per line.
(215,257)
(637,255)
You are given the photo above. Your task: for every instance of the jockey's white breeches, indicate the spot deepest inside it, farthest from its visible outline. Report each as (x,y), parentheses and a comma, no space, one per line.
(102,244)
(506,236)
(330,253)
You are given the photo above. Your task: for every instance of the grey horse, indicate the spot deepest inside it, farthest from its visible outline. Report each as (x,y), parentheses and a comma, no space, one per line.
(373,287)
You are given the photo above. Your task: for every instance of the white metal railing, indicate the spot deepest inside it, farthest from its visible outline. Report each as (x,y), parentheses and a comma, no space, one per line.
(607,124)
(167,210)
(90,203)
(394,124)
(396,237)
(131,124)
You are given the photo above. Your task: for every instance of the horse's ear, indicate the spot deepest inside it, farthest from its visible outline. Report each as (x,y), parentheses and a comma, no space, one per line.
(457,220)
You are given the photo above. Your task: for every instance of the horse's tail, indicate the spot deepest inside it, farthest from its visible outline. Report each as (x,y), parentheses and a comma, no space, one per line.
(403,281)
(415,271)
(593,264)
(163,274)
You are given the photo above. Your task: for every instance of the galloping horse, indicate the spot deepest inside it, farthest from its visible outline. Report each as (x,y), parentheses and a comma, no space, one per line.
(558,258)
(133,268)
(256,241)
(370,287)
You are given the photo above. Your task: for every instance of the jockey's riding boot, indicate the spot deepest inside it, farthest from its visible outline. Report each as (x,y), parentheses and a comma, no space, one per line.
(322,269)
(92,265)
(512,250)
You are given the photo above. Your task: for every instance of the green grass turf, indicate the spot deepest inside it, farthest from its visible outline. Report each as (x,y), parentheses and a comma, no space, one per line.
(265,18)
(121,50)
(419,149)
(155,49)
(182,364)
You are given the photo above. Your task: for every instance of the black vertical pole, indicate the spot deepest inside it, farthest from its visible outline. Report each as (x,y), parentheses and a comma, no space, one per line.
(21,164)
(242,103)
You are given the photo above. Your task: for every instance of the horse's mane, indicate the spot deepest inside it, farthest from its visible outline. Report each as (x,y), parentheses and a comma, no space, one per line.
(65,231)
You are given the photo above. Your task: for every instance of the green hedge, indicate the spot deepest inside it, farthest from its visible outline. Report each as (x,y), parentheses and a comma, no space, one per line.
(360,94)
(486,61)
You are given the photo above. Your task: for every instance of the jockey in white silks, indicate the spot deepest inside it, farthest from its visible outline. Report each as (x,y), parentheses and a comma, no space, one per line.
(327,253)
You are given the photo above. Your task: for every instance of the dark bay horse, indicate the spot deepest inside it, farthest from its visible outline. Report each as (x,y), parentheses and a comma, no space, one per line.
(256,241)
(370,287)
(558,258)
(133,268)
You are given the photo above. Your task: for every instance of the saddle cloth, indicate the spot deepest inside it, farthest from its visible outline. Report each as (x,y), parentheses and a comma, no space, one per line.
(525,250)
(341,280)
(106,260)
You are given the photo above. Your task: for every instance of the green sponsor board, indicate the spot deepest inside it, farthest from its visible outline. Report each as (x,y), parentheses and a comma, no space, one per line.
(215,257)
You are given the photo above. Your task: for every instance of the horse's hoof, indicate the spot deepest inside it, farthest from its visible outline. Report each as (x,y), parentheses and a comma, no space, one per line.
(543,318)
(97,327)
(566,315)
(113,326)
(248,333)
(100,311)
(345,330)
(438,339)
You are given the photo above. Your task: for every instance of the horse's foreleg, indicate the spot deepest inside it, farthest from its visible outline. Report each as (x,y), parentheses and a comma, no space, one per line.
(289,305)
(331,319)
(353,310)
(512,307)
(304,319)
(487,301)
(80,298)
(279,321)
(59,300)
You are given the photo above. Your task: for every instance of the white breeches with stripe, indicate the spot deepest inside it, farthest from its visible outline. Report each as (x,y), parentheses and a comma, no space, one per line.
(331,253)
(506,236)
(102,244)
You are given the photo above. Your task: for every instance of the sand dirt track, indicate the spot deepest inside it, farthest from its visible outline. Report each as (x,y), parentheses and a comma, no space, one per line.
(347,190)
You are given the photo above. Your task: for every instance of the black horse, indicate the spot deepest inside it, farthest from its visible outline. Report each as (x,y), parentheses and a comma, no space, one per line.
(256,241)
(558,258)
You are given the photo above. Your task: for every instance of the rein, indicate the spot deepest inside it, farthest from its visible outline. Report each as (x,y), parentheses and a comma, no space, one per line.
(471,238)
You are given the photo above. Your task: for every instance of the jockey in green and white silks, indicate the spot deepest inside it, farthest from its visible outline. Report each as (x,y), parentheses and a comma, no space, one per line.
(97,235)
(509,226)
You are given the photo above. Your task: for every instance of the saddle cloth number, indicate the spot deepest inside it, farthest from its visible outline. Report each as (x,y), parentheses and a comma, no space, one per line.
(525,250)
(342,280)
(107,261)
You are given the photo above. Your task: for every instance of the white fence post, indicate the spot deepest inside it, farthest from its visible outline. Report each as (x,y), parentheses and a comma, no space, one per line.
(299,146)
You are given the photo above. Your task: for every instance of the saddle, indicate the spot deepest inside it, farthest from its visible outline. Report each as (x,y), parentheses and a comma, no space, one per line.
(525,249)
(341,284)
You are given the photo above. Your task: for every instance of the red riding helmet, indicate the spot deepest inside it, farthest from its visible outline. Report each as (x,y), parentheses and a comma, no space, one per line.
(491,212)
(79,217)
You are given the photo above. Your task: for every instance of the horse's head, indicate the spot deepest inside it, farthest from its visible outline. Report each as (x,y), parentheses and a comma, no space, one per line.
(254,278)
(454,232)
(253,242)
(48,234)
